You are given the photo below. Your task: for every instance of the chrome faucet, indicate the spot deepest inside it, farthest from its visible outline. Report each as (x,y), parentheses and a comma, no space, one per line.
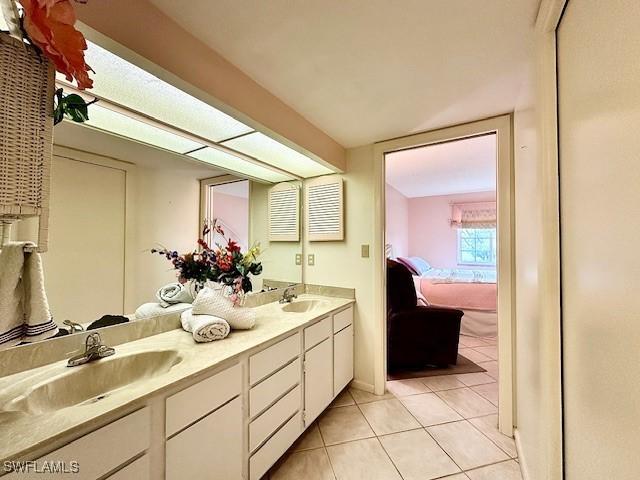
(288,295)
(75,327)
(94,350)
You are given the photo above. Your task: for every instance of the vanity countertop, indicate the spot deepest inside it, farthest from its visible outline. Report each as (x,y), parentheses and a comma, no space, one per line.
(24,433)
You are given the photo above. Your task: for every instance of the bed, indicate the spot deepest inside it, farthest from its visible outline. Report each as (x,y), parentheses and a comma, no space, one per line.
(472,291)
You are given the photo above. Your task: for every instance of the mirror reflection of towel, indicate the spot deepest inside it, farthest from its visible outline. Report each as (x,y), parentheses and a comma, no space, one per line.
(173,293)
(24,309)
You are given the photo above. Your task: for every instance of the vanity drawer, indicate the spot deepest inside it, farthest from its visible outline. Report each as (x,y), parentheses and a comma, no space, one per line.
(194,402)
(266,456)
(272,358)
(100,451)
(269,421)
(316,333)
(342,319)
(267,391)
(138,469)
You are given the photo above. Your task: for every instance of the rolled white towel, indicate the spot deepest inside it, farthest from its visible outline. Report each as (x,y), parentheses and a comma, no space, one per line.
(205,328)
(147,310)
(172,294)
(211,301)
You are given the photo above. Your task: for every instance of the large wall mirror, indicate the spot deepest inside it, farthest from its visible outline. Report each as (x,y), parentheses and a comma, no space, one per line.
(142,177)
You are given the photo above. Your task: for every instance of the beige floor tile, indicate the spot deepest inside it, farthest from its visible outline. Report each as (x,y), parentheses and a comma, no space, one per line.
(500,471)
(310,465)
(343,399)
(417,456)
(430,409)
(458,476)
(488,391)
(309,439)
(471,341)
(467,446)
(388,416)
(472,379)
(360,396)
(491,368)
(402,388)
(442,382)
(364,459)
(490,340)
(473,355)
(467,402)
(342,424)
(490,351)
(489,426)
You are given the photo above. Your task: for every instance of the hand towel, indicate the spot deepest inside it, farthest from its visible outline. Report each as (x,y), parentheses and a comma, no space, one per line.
(148,310)
(24,309)
(174,293)
(210,301)
(204,328)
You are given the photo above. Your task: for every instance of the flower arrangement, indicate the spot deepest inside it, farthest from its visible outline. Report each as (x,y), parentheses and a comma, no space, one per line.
(49,25)
(224,264)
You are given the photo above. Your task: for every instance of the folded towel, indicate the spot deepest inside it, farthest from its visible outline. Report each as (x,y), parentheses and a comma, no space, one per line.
(24,309)
(205,328)
(147,310)
(210,301)
(173,293)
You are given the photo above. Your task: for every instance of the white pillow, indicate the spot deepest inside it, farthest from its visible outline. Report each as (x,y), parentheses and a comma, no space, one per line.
(422,301)
(421,264)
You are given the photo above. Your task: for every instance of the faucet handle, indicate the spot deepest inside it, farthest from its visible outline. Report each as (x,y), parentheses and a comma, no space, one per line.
(93,340)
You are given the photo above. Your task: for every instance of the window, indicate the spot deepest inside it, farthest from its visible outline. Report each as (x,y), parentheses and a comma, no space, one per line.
(477,246)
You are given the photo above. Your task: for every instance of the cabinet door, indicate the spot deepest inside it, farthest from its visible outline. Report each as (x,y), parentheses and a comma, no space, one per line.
(342,359)
(318,380)
(211,449)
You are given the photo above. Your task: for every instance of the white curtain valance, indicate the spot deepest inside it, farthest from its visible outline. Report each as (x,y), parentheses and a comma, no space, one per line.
(474,215)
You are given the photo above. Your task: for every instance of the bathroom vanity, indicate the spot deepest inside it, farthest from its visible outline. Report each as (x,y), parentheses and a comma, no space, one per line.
(165,407)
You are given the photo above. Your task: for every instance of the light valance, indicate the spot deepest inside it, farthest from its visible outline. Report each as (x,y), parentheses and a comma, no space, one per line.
(474,215)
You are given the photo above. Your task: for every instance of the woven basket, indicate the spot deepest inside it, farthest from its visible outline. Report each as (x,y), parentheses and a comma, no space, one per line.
(27,82)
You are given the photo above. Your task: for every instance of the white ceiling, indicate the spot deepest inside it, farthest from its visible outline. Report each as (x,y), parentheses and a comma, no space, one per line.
(369,70)
(462,166)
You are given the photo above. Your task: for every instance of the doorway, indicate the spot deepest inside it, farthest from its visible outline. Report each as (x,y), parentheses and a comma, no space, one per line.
(500,128)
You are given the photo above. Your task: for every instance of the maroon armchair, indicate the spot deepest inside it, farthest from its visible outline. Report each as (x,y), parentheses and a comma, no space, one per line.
(417,336)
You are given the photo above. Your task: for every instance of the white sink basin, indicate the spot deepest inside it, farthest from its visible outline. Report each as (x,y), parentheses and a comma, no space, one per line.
(91,382)
(301,306)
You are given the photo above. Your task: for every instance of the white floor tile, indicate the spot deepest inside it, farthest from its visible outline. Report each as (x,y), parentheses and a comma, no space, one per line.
(402,388)
(471,379)
(310,465)
(489,426)
(442,382)
(467,402)
(430,409)
(364,459)
(342,424)
(388,416)
(501,471)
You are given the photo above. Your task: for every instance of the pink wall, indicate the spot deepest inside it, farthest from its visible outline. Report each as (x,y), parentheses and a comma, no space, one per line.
(430,235)
(397,219)
(234,211)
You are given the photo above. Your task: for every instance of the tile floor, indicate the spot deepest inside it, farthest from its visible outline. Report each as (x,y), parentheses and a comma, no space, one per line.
(428,428)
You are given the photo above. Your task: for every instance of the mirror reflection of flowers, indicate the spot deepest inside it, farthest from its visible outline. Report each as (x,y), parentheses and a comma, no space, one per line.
(224,264)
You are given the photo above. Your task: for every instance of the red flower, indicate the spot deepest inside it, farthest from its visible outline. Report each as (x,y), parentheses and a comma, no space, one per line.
(50,25)
(225,262)
(233,246)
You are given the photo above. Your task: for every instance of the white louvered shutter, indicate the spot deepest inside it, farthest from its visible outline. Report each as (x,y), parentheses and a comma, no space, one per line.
(325,212)
(284,213)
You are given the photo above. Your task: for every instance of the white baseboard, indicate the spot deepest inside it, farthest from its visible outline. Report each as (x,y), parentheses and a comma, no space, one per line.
(367,387)
(521,458)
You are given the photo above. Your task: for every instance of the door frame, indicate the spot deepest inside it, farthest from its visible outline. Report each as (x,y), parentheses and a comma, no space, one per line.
(502,127)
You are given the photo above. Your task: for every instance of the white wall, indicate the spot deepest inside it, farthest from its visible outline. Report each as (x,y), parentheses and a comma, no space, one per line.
(397,215)
(599,114)
(340,264)
(234,212)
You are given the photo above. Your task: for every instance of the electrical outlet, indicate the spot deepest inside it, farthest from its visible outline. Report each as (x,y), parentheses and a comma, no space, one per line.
(298,259)
(311,259)
(364,251)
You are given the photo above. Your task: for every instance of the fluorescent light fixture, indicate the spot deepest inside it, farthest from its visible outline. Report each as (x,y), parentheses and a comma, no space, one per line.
(120,124)
(230,162)
(129,85)
(275,153)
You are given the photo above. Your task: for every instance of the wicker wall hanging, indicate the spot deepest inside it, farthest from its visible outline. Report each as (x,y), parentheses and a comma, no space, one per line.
(27,82)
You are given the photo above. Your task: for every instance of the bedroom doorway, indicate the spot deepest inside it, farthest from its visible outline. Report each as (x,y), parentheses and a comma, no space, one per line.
(446,244)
